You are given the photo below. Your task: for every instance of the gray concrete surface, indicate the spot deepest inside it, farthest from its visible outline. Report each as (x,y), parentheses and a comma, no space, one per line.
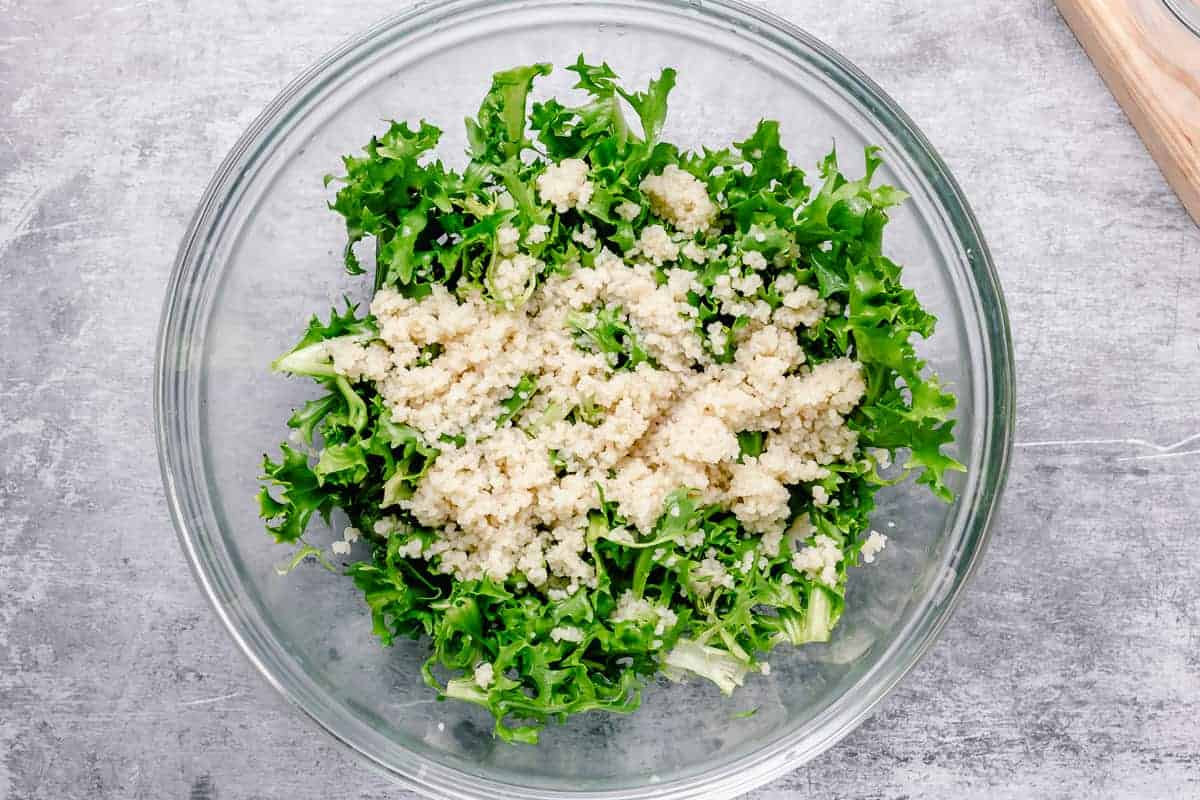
(1072,668)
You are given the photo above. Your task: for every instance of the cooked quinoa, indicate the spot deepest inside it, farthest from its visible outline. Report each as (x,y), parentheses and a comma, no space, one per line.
(503,508)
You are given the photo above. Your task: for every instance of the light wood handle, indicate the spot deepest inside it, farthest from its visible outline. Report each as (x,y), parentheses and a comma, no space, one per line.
(1151,63)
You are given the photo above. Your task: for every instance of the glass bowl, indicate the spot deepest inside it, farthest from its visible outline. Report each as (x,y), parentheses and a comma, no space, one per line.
(263,254)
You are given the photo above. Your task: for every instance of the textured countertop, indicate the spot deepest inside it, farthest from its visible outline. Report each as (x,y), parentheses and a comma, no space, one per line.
(1073,666)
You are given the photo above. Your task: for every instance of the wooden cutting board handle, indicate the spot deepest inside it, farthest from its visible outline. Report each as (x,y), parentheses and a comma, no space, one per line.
(1151,63)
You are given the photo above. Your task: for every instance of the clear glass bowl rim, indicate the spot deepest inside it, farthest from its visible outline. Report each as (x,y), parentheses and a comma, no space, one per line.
(175,350)
(1188,13)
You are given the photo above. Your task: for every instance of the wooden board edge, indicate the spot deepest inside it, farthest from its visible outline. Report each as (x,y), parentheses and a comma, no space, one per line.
(1121,81)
